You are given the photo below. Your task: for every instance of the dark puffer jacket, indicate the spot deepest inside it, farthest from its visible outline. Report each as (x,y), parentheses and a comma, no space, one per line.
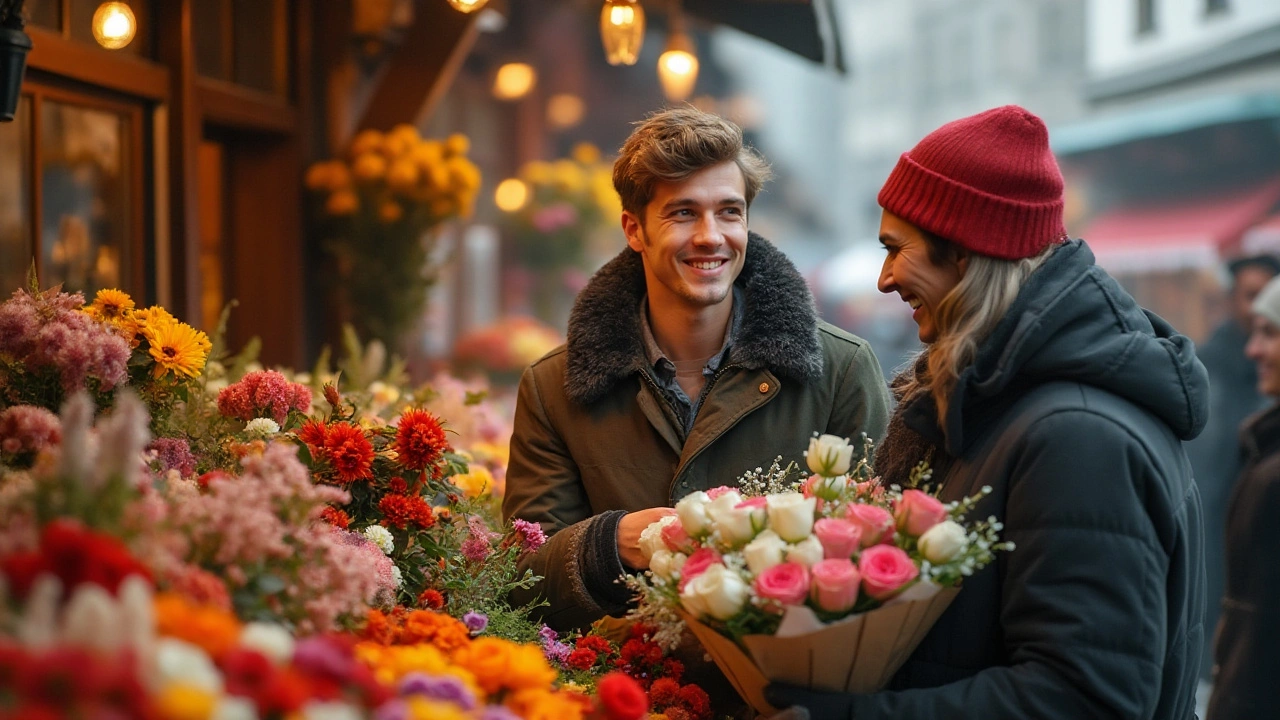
(1073,412)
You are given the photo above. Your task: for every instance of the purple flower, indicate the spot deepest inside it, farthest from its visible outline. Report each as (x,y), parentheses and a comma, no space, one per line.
(557,652)
(174,454)
(530,534)
(554,217)
(438,687)
(547,634)
(475,622)
(394,709)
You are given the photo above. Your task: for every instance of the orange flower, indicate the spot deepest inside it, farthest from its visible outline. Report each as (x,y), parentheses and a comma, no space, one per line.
(489,659)
(420,440)
(214,630)
(441,630)
(529,669)
(544,704)
(313,433)
(349,452)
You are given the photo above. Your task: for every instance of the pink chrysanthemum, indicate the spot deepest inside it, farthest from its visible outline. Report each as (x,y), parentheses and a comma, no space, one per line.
(174,454)
(28,429)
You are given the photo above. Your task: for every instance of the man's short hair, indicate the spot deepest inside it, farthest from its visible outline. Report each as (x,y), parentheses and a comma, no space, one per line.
(1269,263)
(673,144)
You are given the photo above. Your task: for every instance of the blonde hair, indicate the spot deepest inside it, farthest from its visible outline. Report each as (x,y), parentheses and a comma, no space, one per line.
(671,145)
(967,316)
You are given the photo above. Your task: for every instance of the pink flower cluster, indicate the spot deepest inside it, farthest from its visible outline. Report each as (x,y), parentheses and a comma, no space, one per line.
(28,429)
(834,584)
(173,454)
(529,534)
(265,393)
(479,542)
(46,332)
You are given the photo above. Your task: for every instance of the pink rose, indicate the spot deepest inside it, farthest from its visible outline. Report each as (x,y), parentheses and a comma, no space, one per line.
(875,522)
(716,492)
(835,584)
(918,511)
(676,539)
(839,538)
(886,569)
(787,582)
(697,564)
(758,501)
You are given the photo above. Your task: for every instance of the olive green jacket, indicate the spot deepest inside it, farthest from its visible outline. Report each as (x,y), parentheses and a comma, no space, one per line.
(595,438)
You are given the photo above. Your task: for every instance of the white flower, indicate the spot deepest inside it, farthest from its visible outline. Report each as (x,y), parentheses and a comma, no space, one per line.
(807,552)
(182,662)
(736,525)
(651,537)
(764,552)
(273,641)
(829,455)
(665,563)
(316,710)
(397,576)
(943,542)
(692,511)
(213,387)
(231,707)
(717,591)
(791,515)
(261,428)
(381,537)
(383,394)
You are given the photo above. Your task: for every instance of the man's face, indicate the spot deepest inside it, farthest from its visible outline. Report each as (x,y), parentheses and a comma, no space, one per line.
(910,271)
(1263,349)
(693,237)
(1248,283)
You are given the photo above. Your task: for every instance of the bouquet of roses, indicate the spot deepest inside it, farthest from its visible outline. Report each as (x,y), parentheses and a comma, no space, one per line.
(829,582)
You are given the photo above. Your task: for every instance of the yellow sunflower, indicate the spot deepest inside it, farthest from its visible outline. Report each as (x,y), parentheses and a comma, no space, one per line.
(110,305)
(176,346)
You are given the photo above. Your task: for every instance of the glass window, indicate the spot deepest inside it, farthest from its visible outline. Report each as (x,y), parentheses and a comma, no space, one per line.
(15,199)
(1146,16)
(209,25)
(85,189)
(1216,6)
(45,13)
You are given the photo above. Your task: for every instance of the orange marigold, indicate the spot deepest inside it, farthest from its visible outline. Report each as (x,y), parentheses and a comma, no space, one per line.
(488,659)
(210,628)
(401,510)
(441,630)
(313,433)
(420,440)
(349,452)
(335,517)
(431,598)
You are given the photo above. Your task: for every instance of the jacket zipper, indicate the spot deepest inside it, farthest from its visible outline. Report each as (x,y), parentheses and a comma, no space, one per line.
(705,391)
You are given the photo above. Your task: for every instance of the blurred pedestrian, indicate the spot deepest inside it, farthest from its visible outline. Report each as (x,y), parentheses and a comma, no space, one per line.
(1233,396)
(1043,379)
(1247,644)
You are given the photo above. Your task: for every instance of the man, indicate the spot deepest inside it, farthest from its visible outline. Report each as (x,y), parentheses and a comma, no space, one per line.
(692,357)
(1233,395)
(1247,647)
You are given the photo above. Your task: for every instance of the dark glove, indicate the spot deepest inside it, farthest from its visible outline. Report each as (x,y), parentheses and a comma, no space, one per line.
(822,705)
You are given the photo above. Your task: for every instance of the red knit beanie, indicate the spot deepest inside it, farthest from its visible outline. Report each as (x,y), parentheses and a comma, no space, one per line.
(986,182)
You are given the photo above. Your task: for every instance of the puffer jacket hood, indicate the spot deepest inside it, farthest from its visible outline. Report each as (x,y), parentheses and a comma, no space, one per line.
(1073,322)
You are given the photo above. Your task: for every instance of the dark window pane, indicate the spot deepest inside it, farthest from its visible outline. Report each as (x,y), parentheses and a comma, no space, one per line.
(45,13)
(82,24)
(1146,16)
(84,181)
(209,25)
(15,200)
(256,49)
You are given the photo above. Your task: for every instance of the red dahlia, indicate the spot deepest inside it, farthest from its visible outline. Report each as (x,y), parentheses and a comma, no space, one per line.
(420,440)
(349,452)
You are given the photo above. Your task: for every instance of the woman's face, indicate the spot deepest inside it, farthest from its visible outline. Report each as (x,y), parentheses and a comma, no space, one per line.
(1263,349)
(909,271)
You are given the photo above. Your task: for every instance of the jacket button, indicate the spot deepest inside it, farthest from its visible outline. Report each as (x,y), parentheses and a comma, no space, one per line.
(764,387)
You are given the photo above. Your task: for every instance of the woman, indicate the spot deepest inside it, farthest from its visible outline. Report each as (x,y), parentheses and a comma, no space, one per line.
(1247,648)
(1043,379)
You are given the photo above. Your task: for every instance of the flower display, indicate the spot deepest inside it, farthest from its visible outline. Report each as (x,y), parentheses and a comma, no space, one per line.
(505,348)
(374,209)
(816,552)
(264,394)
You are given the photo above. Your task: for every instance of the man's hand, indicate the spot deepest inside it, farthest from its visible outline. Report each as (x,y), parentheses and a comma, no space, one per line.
(629,529)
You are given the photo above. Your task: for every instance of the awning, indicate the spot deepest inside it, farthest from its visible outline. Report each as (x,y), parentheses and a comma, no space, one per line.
(1262,238)
(1161,120)
(1179,234)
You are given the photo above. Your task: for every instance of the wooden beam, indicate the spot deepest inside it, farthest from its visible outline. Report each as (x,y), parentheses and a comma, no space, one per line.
(422,68)
(92,65)
(239,107)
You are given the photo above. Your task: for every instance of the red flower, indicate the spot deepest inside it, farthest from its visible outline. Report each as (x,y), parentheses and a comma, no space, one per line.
(581,659)
(313,433)
(204,480)
(694,699)
(431,599)
(247,672)
(673,669)
(284,692)
(335,517)
(621,698)
(663,692)
(398,485)
(401,510)
(349,452)
(75,556)
(420,440)
(596,643)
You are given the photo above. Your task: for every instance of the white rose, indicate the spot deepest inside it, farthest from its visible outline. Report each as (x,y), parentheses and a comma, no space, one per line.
(665,563)
(316,710)
(273,641)
(829,455)
(719,592)
(736,525)
(807,552)
(230,707)
(692,511)
(381,537)
(182,662)
(943,542)
(791,515)
(651,537)
(764,552)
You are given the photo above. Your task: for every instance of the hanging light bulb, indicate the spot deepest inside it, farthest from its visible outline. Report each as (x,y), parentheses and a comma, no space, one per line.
(622,31)
(114,25)
(467,6)
(678,67)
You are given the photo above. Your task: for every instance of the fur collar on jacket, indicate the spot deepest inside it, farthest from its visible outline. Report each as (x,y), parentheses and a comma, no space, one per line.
(779,326)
